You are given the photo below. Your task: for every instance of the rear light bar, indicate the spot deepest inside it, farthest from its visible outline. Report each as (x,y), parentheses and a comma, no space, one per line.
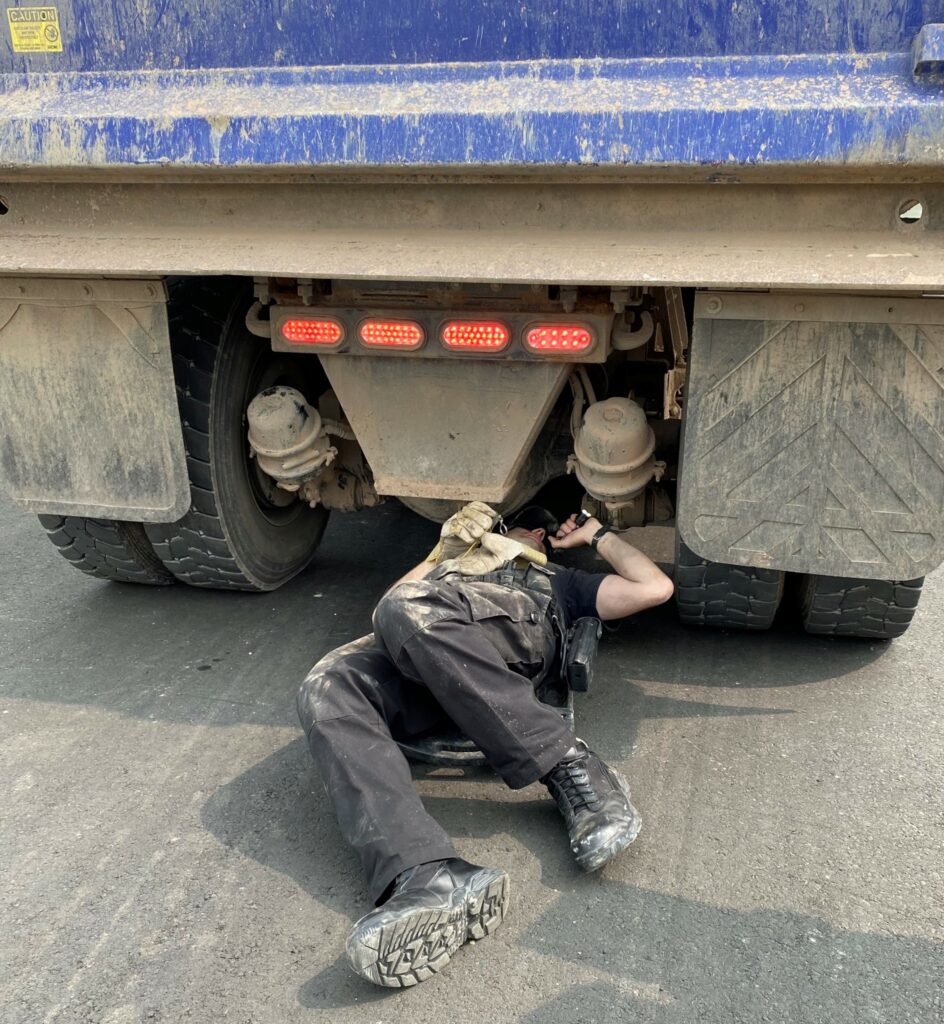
(401,334)
(475,335)
(548,339)
(461,333)
(312,332)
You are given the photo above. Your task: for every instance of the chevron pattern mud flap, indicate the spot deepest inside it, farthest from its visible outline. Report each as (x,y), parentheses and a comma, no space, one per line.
(814,434)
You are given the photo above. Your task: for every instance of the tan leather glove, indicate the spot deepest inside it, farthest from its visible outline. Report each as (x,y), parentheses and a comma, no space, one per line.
(463,531)
(493,551)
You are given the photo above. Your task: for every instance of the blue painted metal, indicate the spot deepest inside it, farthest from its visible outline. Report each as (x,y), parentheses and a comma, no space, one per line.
(623,87)
(928,51)
(130,35)
(808,110)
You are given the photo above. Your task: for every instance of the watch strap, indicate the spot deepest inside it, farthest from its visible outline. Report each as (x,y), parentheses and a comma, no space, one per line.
(602,532)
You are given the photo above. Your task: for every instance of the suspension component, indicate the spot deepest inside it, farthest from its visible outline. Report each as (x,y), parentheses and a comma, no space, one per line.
(288,438)
(291,441)
(614,459)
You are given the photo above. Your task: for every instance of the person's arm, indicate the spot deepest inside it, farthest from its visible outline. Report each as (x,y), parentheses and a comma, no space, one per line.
(637,583)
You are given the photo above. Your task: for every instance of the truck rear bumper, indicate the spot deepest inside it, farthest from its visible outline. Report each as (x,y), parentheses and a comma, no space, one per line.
(808,236)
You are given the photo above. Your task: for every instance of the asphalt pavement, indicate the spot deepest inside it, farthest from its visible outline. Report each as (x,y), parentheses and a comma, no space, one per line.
(168,854)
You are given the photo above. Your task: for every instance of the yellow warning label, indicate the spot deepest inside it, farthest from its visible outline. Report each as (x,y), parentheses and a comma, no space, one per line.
(34,29)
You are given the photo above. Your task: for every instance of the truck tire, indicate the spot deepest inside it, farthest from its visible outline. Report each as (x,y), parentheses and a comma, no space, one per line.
(107,549)
(725,596)
(872,609)
(242,532)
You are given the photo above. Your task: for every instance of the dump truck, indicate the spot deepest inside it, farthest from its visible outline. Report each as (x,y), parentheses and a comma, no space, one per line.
(264,261)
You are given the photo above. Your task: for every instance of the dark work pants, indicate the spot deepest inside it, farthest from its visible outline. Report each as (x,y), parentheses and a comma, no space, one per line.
(444,654)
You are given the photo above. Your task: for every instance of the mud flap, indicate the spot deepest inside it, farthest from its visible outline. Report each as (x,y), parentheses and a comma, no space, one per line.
(88,410)
(814,434)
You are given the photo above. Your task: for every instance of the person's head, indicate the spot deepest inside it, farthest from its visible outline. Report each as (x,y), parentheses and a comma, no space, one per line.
(531,527)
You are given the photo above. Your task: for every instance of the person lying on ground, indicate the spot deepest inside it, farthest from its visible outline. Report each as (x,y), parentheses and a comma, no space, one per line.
(463,641)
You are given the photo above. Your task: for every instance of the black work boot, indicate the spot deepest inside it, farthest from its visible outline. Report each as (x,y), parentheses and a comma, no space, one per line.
(594,800)
(433,909)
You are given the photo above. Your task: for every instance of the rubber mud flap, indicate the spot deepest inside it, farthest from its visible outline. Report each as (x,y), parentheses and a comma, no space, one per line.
(88,418)
(814,434)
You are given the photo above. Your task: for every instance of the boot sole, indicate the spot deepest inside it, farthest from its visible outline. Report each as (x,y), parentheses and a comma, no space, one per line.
(413,945)
(594,861)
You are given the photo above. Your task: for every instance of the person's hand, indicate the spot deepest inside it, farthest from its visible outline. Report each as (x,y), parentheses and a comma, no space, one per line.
(491,553)
(570,535)
(463,530)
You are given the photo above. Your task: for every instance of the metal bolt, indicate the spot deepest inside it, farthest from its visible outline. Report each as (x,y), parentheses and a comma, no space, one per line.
(713,306)
(799,307)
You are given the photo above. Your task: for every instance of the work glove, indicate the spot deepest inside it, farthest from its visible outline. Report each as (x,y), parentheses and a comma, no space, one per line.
(492,552)
(462,531)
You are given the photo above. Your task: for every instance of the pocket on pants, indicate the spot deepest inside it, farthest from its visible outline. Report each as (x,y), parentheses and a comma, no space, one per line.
(513,622)
(492,600)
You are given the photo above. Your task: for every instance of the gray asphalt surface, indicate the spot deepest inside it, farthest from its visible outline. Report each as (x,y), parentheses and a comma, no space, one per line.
(167,852)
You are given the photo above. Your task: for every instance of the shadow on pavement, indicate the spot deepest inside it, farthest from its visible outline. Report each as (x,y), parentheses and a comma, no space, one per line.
(170,653)
(656,957)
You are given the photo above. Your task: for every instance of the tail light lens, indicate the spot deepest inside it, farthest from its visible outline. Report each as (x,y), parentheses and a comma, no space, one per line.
(312,332)
(554,338)
(402,334)
(475,335)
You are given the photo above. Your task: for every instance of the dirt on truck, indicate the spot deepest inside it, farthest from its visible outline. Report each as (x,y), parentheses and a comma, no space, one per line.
(255,269)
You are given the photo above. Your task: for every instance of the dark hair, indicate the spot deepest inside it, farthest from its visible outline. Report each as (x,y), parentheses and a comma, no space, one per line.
(534,517)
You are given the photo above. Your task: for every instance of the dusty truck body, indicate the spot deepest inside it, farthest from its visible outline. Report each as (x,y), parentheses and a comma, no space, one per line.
(259,261)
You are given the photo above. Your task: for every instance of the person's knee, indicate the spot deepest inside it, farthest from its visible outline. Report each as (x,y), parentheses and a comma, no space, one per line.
(316,698)
(407,608)
(331,690)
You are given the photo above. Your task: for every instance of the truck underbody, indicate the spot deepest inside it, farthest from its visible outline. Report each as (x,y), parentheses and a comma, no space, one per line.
(425,354)
(693,272)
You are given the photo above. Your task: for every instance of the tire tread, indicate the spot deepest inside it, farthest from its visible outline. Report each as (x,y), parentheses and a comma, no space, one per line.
(193,548)
(107,549)
(869,609)
(725,596)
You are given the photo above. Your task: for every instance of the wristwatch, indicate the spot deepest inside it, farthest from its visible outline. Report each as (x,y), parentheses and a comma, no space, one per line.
(602,532)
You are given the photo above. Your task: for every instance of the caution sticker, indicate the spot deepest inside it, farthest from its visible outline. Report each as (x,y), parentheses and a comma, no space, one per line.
(34,29)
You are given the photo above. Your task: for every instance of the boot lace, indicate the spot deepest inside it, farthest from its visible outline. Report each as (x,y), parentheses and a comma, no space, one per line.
(571,780)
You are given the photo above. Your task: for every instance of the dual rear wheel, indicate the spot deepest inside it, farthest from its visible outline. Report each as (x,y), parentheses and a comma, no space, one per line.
(707,593)
(739,597)
(241,531)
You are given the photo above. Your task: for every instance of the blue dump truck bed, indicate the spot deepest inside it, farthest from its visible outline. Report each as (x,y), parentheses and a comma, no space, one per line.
(472,85)
(128,35)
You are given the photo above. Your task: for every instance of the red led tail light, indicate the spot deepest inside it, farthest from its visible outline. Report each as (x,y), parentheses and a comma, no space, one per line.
(558,338)
(475,335)
(402,334)
(312,332)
